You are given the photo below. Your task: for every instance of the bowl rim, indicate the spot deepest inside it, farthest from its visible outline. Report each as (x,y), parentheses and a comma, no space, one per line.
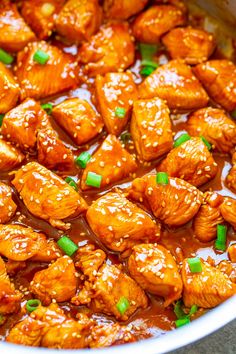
(199,328)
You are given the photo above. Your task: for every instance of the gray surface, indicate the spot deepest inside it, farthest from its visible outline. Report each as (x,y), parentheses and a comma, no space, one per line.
(221,342)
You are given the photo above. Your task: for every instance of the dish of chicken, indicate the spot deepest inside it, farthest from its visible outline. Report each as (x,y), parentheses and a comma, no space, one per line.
(117,170)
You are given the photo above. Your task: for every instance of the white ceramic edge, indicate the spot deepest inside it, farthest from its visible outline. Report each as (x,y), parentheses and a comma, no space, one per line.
(205,325)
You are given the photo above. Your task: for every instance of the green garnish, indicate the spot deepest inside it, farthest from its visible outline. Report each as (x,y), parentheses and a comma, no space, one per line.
(162,178)
(208,145)
(182,139)
(147,70)
(120,112)
(83,159)
(41,57)
(195,265)
(1,119)
(71,183)
(32,304)
(93,180)
(122,305)
(67,245)
(5,58)
(47,107)
(220,243)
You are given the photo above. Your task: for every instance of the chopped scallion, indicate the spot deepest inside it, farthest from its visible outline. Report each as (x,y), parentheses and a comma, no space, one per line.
(67,245)
(233,114)
(93,180)
(195,265)
(220,243)
(47,107)
(193,310)
(120,112)
(148,50)
(208,145)
(41,57)
(182,322)
(83,159)
(125,137)
(149,63)
(182,139)
(122,305)
(72,183)
(162,178)
(5,58)
(32,304)
(178,310)
(1,119)
(147,70)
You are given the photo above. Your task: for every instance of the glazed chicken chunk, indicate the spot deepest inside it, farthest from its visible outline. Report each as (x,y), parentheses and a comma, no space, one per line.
(228,210)
(156,271)
(19,243)
(123,9)
(151,128)
(79,20)
(120,224)
(49,327)
(219,79)
(7,205)
(108,334)
(215,126)
(9,297)
(111,288)
(79,119)
(206,289)
(191,44)
(10,156)
(9,89)
(40,15)
(46,195)
(58,74)
(111,161)
(232,252)
(190,161)
(14,32)
(151,24)
(111,49)
(175,83)
(115,94)
(208,217)
(58,281)
(89,259)
(175,203)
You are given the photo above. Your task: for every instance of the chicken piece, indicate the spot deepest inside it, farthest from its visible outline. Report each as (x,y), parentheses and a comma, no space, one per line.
(122,9)
(13,267)
(7,205)
(79,119)
(175,83)
(111,49)
(79,20)
(111,161)
(206,289)
(208,217)
(109,334)
(58,281)
(219,79)
(19,243)
(38,81)
(40,15)
(9,297)
(89,260)
(215,126)
(151,128)
(14,32)
(190,161)
(228,268)
(112,91)
(110,287)
(120,224)
(175,204)
(232,252)
(228,210)
(156,271)
(49,327)
(10,156)
(52,152)
(151,24)
(191,44)
(20,125)
(231,179)
(9,89)
(178,3)
(46,195)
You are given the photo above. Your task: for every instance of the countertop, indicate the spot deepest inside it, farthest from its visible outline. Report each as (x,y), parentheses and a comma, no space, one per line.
(220,342)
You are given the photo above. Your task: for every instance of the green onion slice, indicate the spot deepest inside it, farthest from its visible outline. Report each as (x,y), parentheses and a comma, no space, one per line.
(208,145)
(147,70)
(72,183)
(148,50)
(32,304)
(178,310)
(125,137)
(233,114)
(193,310)
(1,119)
(122,305)
(149,63)
(67,245)
(5,58)
(120,112)
(162,178)
(83,159)
(41,57)
(195,265)
(220,243)
(93,180)
(47,107)
(182,139)
(182,322)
